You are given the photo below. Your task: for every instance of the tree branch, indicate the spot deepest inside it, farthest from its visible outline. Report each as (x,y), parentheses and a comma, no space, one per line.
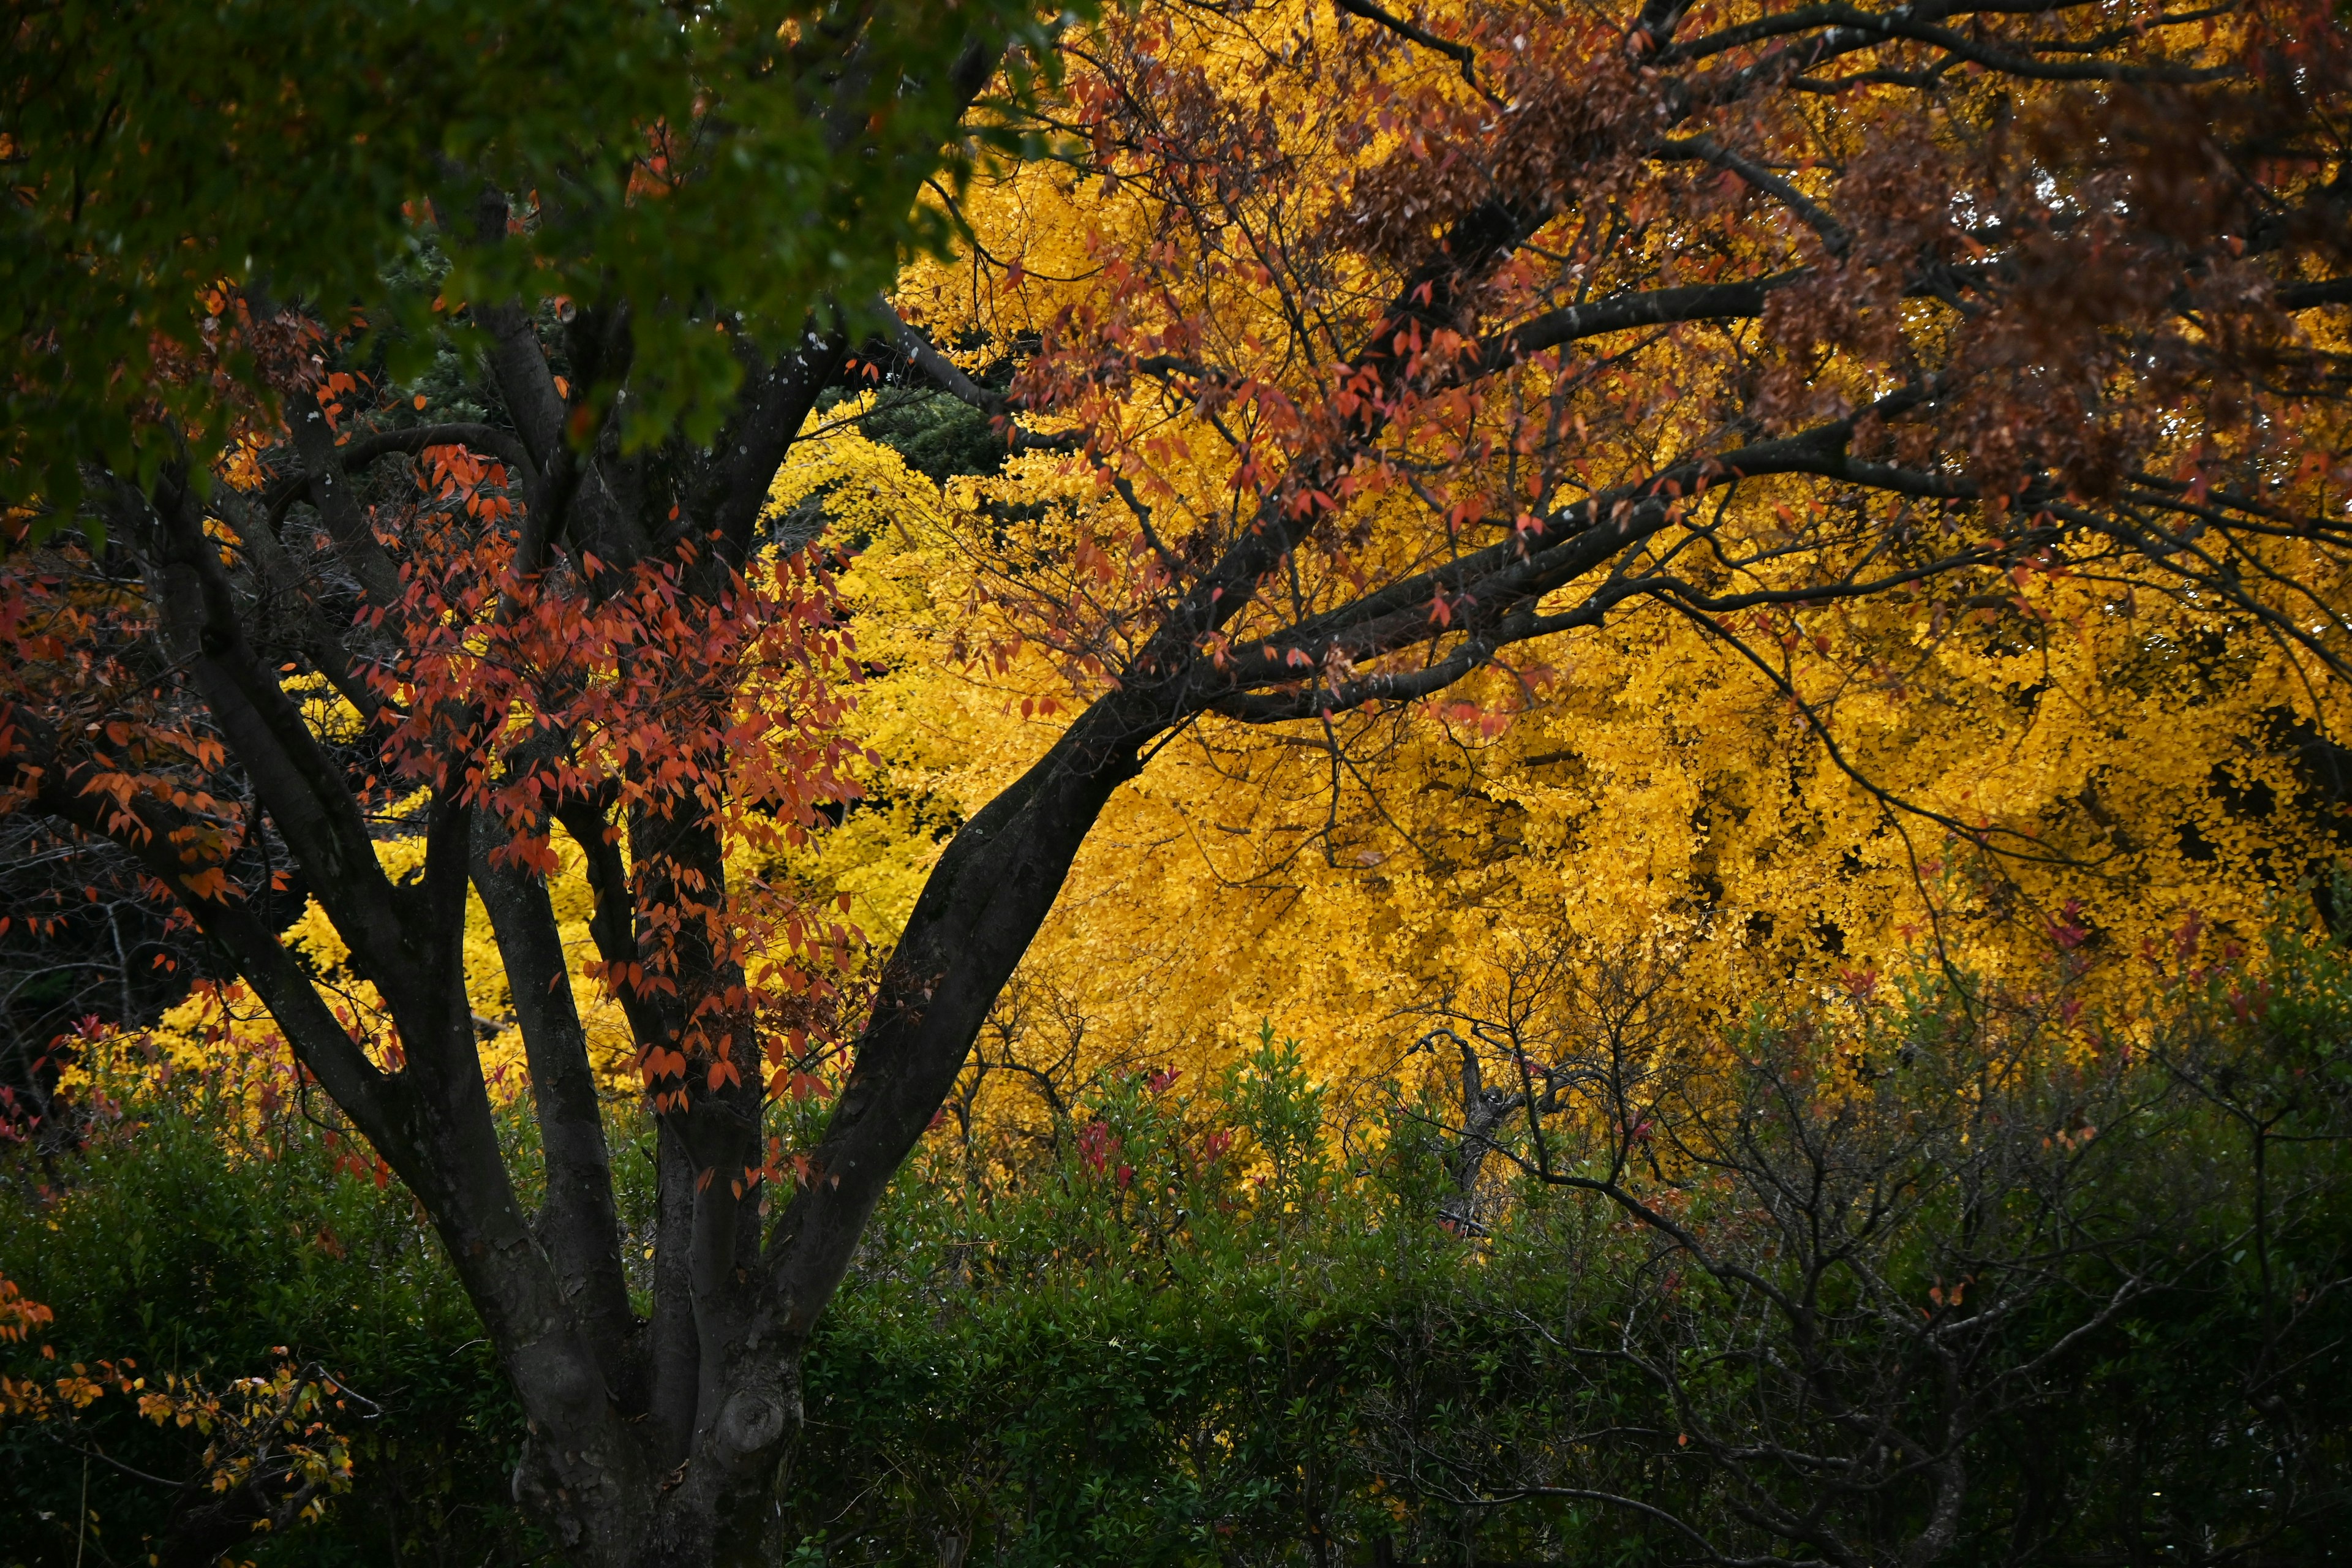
(500,444)
(303,789)
(1461,55)
(578,1220)
(1834,238)
(1654,308)
(71,792)
(347,527)
(951,378)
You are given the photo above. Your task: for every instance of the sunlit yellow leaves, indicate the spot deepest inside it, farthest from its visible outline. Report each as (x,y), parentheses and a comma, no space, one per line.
(279,1428)
(1913,775)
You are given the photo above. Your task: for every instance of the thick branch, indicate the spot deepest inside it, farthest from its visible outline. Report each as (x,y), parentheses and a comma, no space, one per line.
(525,383)
(973,919)
(150,831)
(1460,54)
(769,411)
(1654,308)
(347,526)
(1705,150)
(301,787)
(578,1221)
(951,378)
(2310,296)
(500,444)
(612,920)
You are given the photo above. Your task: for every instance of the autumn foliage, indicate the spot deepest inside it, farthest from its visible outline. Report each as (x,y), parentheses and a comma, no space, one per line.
(1801,495)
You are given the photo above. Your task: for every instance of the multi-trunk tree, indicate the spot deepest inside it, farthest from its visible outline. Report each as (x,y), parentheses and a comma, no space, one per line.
(1397,344)
(296,618)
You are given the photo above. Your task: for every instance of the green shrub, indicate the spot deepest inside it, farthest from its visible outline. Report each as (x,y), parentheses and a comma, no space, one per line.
(1925,1272)
(192,1234)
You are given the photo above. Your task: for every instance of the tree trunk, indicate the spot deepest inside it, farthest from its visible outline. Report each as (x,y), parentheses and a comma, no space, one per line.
(978,911)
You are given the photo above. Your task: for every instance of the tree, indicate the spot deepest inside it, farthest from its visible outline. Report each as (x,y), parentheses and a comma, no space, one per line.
(1411,359)
(295,613)
(1404,343)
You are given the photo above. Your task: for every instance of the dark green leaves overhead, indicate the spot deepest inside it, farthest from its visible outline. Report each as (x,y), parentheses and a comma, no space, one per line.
(711,171)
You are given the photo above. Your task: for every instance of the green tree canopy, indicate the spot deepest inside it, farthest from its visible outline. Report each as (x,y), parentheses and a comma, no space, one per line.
(178,170)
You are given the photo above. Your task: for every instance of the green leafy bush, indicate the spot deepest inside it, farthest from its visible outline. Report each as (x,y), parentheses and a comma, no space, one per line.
(1925,1272)
(199,1230)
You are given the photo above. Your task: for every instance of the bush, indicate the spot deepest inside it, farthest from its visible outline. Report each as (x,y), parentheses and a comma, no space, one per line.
(206,1226)
(1925,1271)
